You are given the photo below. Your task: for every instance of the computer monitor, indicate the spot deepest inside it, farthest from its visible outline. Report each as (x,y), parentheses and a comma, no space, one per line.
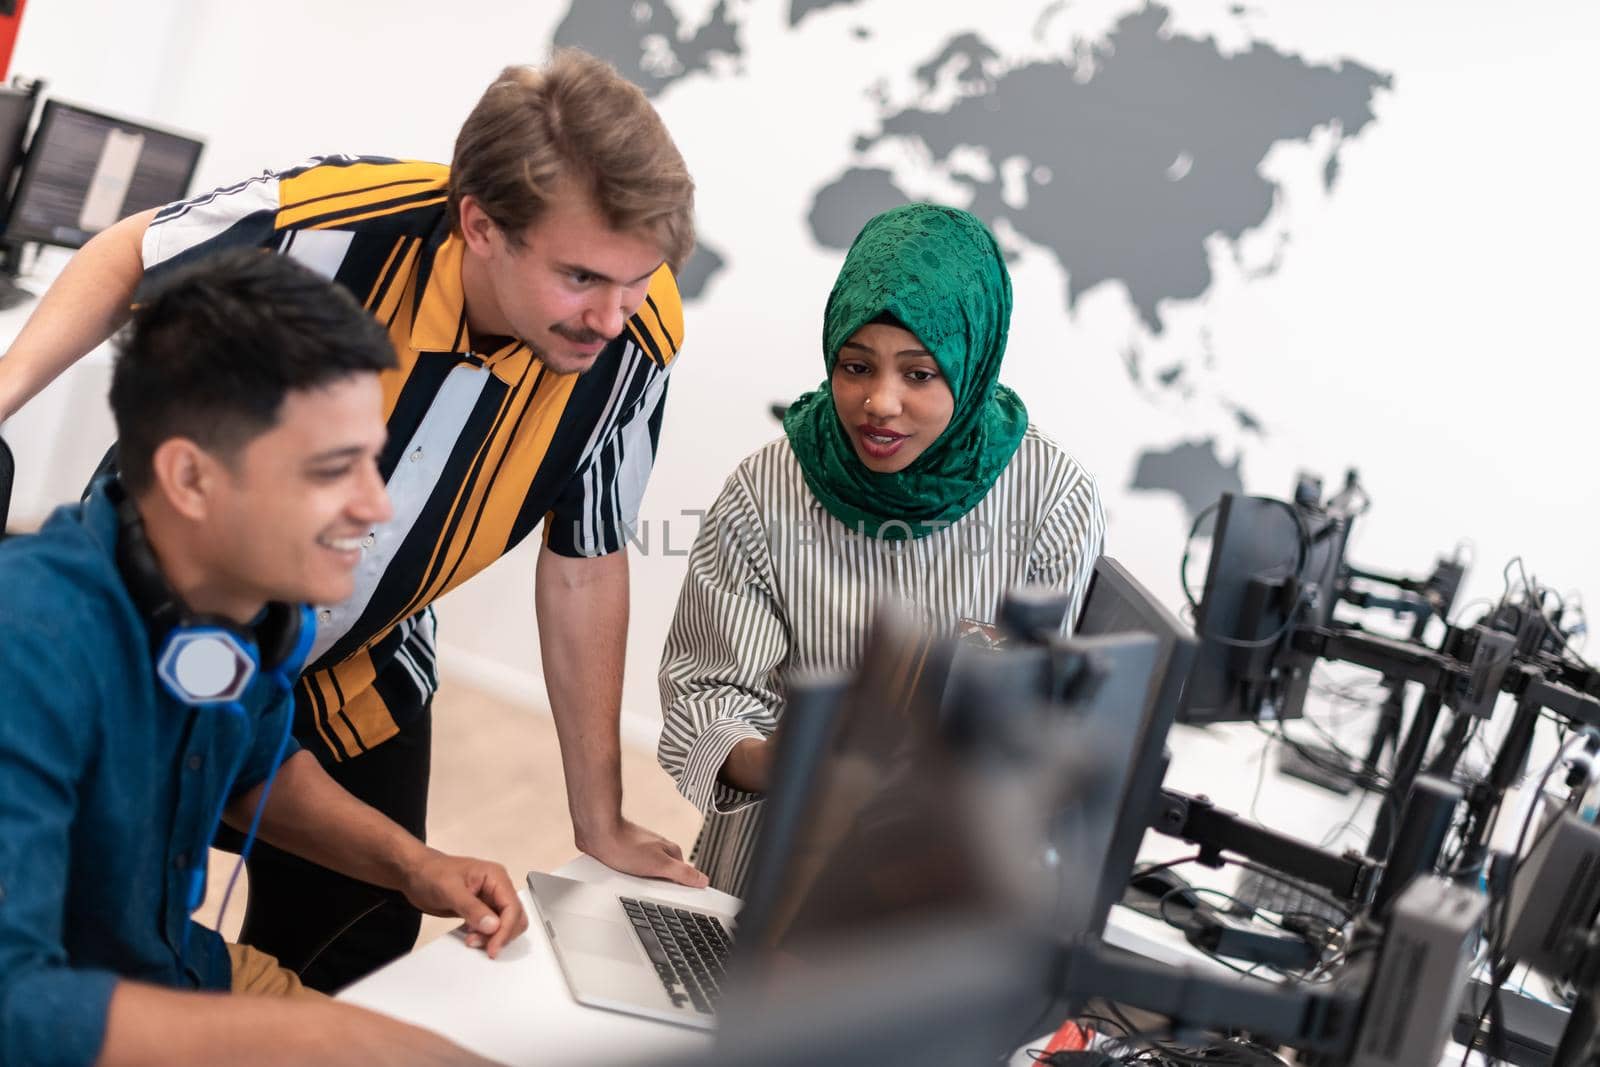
(923,793)
(16,110)
(940,996)
(1105,712)
(1117,603)
(862,825)
(812,707)
(86,169)
(1255,584)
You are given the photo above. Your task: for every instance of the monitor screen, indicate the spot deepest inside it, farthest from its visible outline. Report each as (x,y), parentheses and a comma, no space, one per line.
(86,170)
(16,108)
(1117,603)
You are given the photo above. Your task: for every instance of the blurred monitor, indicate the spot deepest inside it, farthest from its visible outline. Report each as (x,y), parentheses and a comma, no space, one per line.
(1118,604)
(85,170)
(942,996)
(922,794)
(1108,715)
(859,830)
(16,108)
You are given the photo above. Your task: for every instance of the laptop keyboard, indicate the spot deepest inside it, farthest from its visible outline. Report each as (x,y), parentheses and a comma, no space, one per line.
(689,949)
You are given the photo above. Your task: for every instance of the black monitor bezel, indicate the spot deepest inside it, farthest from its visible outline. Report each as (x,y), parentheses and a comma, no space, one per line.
(11,234)
(19,151)
(1176,647)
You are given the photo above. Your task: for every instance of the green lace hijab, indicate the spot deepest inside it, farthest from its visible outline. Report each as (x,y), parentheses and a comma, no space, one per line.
(939,271)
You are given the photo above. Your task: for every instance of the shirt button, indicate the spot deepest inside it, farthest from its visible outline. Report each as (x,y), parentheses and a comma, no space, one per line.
(324,615)
(181,861)
(369,540)
(416,455)
(194,763)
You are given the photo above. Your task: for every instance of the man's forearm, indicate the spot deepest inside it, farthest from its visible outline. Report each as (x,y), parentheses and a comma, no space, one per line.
(582,607)
(147,1024)
(312,816)
(83,307)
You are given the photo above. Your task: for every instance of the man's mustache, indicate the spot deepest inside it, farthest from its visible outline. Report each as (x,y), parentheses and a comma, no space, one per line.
(579,337)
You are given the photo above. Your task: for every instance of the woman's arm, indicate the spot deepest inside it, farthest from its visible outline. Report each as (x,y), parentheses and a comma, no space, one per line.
(720,670)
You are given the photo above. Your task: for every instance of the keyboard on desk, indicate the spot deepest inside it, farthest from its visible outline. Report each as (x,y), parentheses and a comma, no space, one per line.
(1287,897)
(689,949)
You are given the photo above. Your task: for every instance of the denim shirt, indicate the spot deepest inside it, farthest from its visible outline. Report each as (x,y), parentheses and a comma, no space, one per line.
(108,792)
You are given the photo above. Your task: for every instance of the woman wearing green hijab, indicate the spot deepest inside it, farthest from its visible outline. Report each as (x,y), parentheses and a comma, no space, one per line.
(911,474)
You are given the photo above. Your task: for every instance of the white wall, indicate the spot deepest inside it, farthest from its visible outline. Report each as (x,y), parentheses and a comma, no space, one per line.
(1429,322)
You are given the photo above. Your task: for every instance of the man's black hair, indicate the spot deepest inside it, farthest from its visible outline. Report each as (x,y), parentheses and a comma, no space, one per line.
(211,352)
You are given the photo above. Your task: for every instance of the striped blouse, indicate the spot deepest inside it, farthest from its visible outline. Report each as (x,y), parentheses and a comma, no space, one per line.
(776,584)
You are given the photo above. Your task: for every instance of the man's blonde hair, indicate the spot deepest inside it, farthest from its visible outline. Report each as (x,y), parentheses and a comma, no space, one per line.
(574,120)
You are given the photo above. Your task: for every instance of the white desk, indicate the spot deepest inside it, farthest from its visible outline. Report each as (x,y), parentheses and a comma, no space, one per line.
(517,1009)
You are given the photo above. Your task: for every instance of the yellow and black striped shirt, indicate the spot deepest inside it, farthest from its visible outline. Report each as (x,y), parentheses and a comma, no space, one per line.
(482,446)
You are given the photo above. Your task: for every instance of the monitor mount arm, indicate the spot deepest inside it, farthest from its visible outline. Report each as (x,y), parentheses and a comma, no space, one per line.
(1350,877)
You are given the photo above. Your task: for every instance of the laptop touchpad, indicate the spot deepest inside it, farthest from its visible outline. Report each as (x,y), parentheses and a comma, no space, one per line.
(615,941)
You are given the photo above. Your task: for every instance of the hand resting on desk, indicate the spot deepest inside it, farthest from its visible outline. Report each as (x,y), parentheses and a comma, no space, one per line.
(479,892)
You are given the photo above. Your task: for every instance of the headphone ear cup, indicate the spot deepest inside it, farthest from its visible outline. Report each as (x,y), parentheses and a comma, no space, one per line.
(284,639)
(277,635)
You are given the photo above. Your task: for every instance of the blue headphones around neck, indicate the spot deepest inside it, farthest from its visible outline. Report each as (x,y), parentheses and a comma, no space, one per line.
(207,661)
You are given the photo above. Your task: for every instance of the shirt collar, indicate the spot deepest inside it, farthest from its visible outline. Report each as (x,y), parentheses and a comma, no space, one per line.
(440,324)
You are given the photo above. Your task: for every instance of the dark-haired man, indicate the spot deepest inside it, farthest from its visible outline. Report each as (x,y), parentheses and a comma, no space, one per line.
(528,292)
(147,646)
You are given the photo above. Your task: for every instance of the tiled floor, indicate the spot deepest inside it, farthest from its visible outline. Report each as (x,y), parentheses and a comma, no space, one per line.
(497,793)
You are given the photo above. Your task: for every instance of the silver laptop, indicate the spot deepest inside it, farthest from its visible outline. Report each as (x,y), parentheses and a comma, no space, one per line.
(638,955)
(650,957)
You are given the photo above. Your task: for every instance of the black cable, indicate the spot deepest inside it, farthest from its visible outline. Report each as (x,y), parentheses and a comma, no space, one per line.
(1235,1053)
(1188,543)
(1140,872)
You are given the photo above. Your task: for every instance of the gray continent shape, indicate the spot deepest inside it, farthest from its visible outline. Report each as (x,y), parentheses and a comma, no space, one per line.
(1109,211)
(1192,471)
(841,208)
(705,264)
(799,9)
(608,29)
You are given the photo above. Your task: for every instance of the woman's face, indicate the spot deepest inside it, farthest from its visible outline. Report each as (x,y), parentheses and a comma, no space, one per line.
(891,397)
